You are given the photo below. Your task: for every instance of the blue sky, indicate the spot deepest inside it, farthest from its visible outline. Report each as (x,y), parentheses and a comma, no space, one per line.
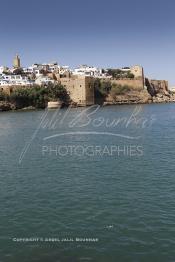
(102,33)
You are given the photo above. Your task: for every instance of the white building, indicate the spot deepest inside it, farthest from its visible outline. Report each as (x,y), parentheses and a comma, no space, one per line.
(4,83)
(52,67)
(44,80)
(172,89)
(88,71)
(10,80)
(64,69)
(38,69)
(33,69)
(1,69)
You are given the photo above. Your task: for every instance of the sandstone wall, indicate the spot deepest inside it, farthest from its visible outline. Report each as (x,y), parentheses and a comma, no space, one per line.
(135,83)
(137,71)
(89,90)
(6,89)
(80,89)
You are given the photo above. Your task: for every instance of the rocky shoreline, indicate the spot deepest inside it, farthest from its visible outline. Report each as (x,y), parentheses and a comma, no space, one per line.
(7,106)
(142,98)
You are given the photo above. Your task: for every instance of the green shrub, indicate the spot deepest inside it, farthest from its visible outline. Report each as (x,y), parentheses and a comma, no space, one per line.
(102,88)
(119,90)
(3,96)
(120,74)
(38,96)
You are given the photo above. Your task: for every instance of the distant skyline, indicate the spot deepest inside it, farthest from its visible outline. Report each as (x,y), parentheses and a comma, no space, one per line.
(103,34)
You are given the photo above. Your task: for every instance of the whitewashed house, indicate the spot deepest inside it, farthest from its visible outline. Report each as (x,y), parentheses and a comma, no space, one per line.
(88,71)
(17,80)
(44,80)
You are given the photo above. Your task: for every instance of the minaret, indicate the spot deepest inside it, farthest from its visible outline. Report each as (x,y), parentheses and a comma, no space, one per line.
(16,62)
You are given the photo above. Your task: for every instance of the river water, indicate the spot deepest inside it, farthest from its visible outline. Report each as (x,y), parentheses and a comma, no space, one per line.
(88,184)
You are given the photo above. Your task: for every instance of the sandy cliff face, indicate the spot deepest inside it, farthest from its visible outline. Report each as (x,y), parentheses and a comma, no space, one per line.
(158,89)
(132,97)
(156,92)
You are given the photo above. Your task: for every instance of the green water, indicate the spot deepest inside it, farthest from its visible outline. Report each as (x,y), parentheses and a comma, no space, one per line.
(125,201)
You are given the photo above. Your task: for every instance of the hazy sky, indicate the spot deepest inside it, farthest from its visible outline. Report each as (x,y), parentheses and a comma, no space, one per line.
(113,33)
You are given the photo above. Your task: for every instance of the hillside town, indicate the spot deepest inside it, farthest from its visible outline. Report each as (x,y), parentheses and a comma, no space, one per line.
(81,83)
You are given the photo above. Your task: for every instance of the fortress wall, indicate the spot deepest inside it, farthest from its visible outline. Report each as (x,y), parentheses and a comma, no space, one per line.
(80,89)
(89,89)
(135,83)
(5,89)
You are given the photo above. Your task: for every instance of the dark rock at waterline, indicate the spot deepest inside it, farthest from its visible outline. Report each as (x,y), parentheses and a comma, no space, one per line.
(6,106)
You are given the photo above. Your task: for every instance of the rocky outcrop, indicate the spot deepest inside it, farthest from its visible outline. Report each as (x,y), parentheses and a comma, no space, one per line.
(162,98)
(159,91)
(6,106)
(131,97)
(157,87)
